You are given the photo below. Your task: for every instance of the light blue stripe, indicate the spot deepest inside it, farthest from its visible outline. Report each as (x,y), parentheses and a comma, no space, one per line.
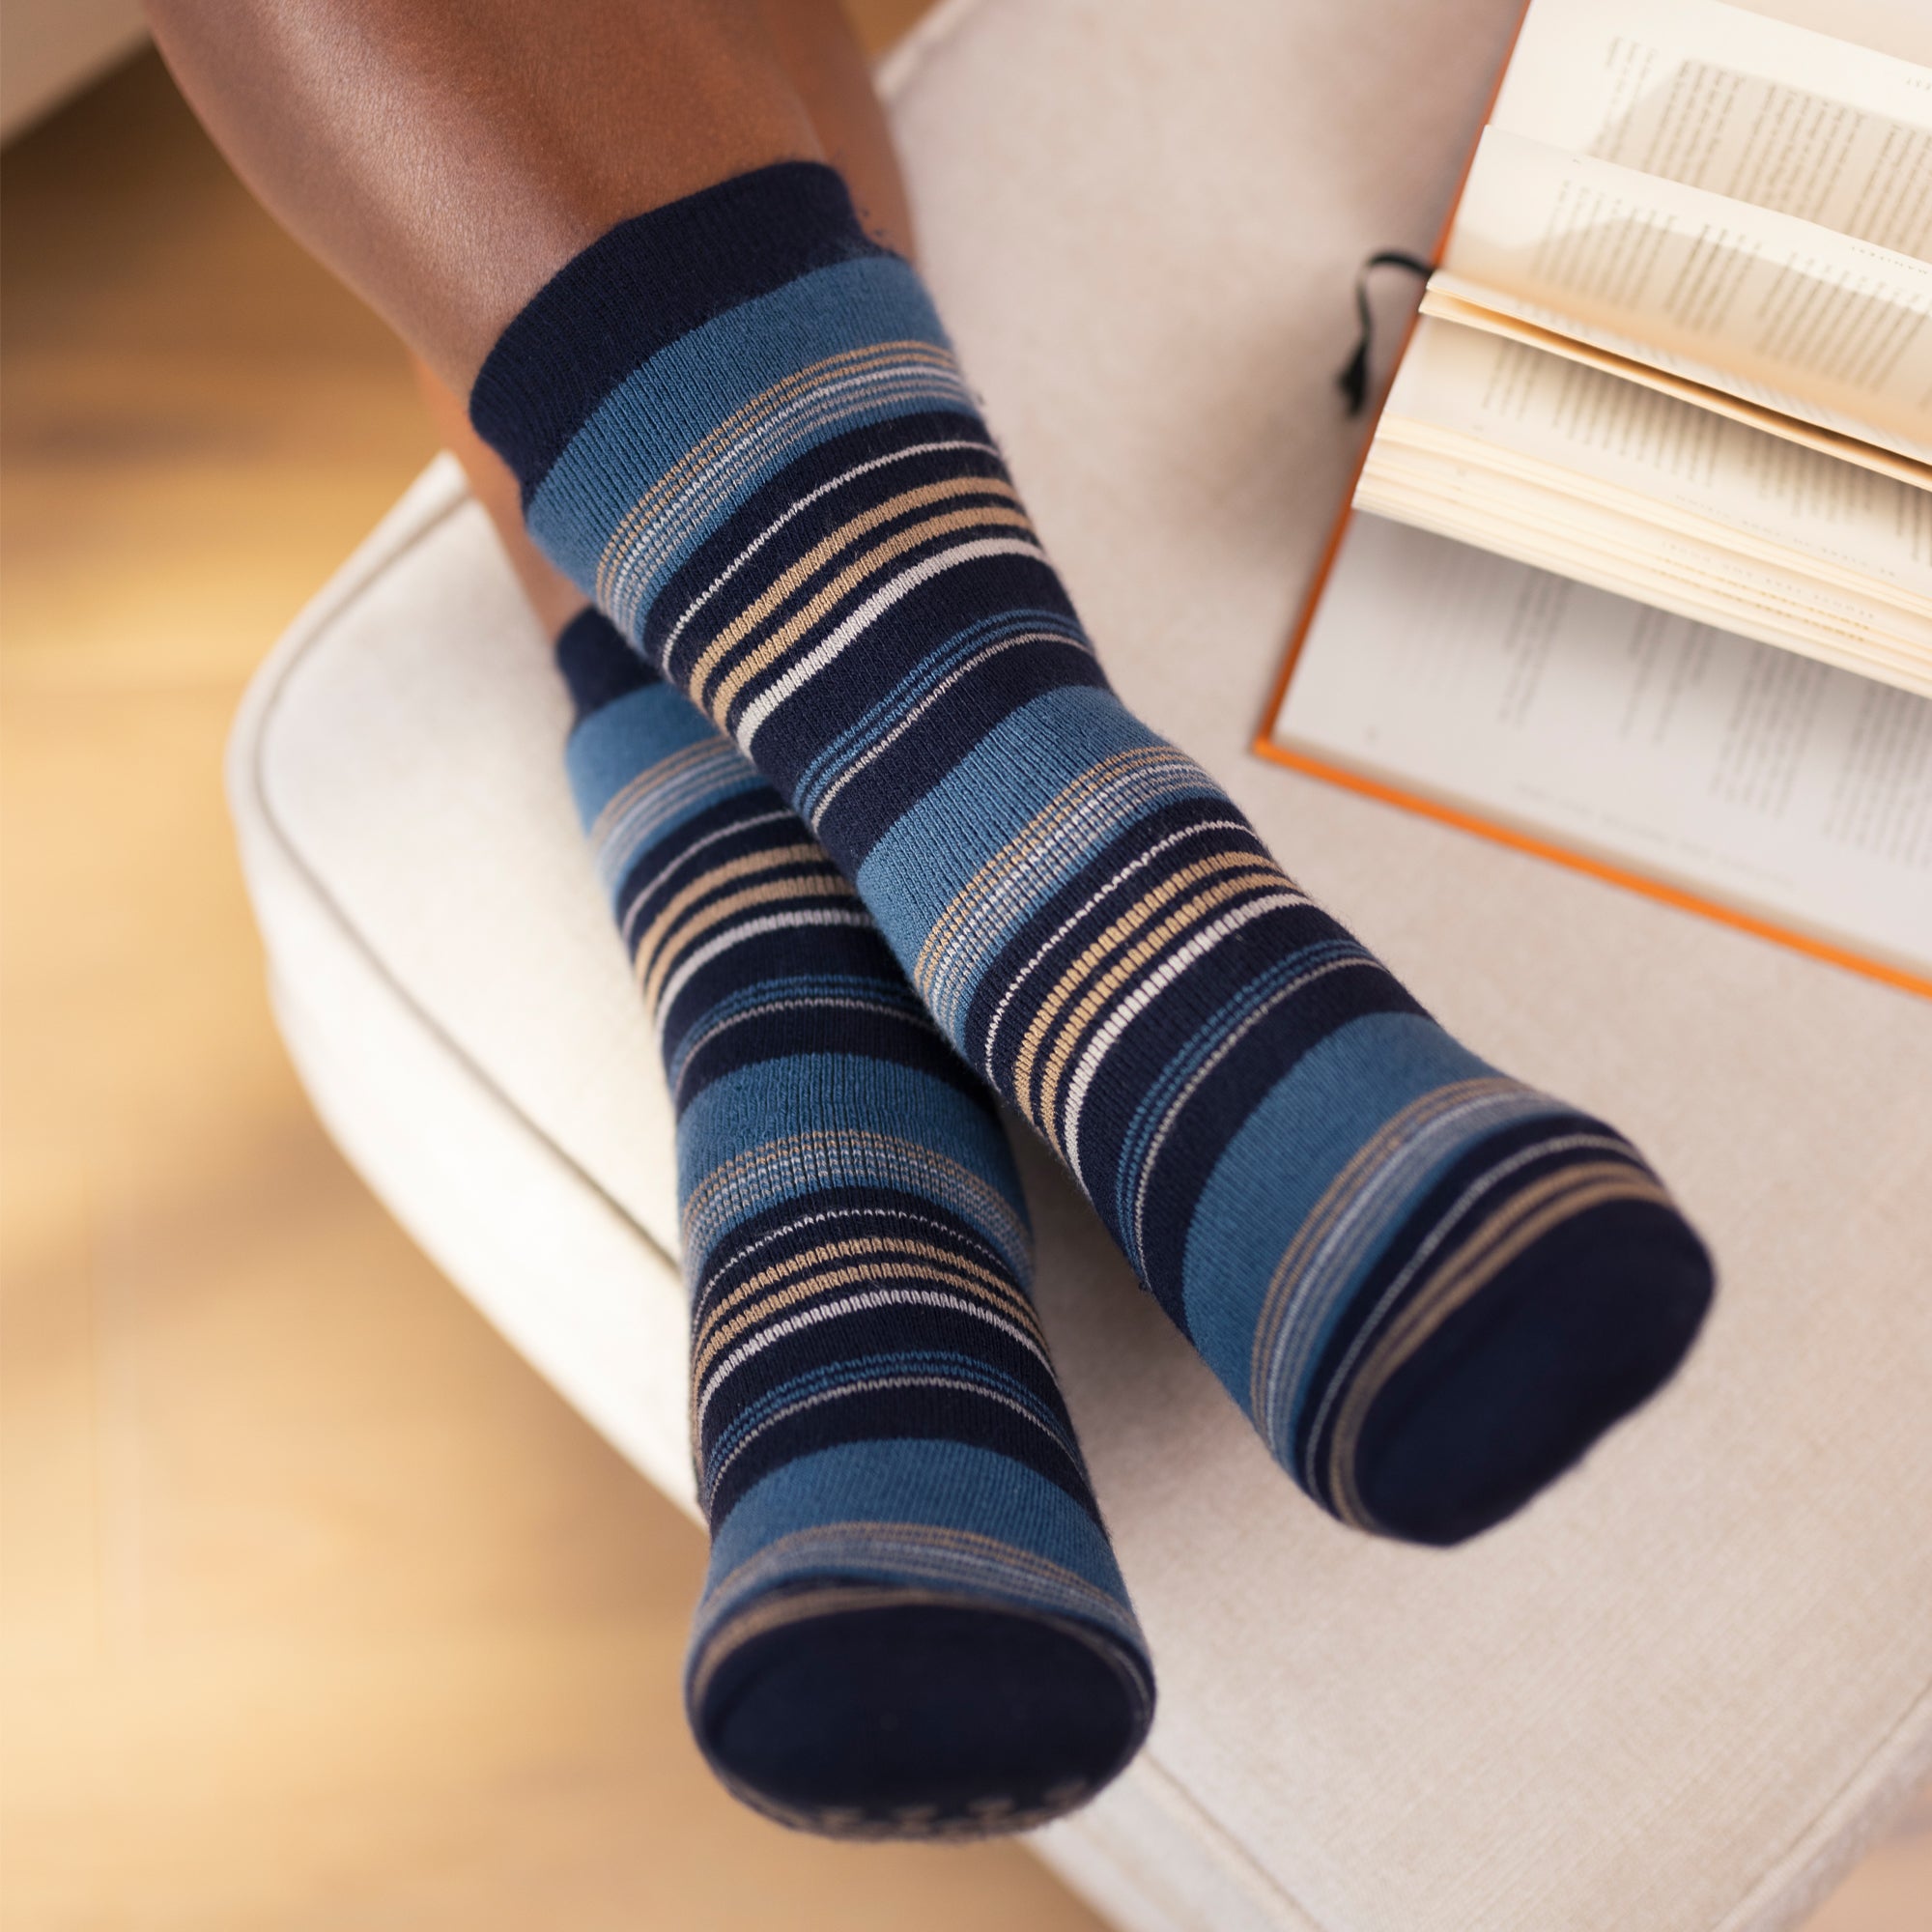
(944,1485)
(665,409)
(1269,1177)
(607,749)
(1010,776)
(844,1095)
(828,764)
(1150,1113)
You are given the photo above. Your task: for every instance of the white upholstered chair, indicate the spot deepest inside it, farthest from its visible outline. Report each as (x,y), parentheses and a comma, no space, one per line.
(1680,1689)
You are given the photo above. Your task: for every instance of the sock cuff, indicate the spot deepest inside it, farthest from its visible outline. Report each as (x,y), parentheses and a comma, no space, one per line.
(597,664)
(642,286)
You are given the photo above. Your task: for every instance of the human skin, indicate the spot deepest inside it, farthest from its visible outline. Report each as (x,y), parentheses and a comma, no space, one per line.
(826,67)
(446,159)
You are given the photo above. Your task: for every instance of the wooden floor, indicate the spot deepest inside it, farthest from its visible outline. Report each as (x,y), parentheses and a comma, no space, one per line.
(321,1612)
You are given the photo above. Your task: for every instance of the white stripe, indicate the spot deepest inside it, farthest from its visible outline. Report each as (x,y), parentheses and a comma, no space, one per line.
(734,935)
(694,503)
(803,504)
(1142,996)
(866,615)
(1075,836)
(909,717)
(853,1304)
(909,1168)
(1080,912)
(697,845)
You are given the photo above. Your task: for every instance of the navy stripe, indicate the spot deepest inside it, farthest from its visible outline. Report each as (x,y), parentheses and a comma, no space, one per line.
(610,309)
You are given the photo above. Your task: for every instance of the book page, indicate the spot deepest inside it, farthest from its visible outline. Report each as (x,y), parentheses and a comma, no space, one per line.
(1715,97)
(1901,28)
(1653,450)
(1778,310)
(1437,301)
(1574,537)
(1741,773)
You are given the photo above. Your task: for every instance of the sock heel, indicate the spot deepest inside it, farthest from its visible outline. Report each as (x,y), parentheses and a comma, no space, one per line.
(874,1714)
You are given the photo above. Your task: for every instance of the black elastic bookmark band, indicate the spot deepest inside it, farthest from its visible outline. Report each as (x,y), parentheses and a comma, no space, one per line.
(1354,381)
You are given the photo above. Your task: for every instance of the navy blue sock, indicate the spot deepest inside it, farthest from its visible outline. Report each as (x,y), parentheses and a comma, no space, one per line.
(913,1624)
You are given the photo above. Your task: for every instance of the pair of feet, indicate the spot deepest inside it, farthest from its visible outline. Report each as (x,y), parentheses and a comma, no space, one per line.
(914,838)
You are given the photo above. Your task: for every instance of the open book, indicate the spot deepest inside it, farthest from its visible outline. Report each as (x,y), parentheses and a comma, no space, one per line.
(1641,565)
(1679,343)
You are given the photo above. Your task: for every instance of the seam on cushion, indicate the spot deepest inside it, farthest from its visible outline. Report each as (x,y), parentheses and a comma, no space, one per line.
(263,723)
(1247,1871)
(904,62)
(1821,1852)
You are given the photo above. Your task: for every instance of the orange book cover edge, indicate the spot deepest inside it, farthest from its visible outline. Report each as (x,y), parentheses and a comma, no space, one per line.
(1264,745)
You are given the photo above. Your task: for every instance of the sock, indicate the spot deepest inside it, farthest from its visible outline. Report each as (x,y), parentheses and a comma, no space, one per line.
(738,426)
(912,1625)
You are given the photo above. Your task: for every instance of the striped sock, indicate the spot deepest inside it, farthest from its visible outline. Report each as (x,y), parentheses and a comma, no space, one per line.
(739,427)
(912,1625)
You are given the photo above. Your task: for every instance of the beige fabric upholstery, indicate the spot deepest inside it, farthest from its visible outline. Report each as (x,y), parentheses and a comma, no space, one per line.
(1680,1688)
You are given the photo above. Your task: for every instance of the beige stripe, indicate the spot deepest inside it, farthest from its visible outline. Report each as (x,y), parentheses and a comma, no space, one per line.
(664,772)
(721,1326)
(821,553)
(644,953)
(832,886)
(1019,852)
(1336,1201)
(801,622)
(865,1276)
(1489,1249)
(763,406)
(1247,876)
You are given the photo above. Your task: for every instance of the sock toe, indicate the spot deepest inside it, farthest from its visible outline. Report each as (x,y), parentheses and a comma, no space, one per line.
(1514,1388)
(921,1720)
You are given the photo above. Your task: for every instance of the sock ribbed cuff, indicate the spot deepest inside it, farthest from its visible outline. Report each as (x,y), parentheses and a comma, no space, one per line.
(634,292)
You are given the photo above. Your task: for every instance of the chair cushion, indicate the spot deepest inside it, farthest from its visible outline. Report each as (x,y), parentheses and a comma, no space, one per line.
(1680,1688)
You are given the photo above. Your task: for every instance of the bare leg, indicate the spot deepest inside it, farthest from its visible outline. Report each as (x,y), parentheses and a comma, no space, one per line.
(447,161)
(825,65)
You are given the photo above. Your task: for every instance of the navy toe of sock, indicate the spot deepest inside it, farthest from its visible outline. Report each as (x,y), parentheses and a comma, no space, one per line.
(921,1720)
(1579,1330)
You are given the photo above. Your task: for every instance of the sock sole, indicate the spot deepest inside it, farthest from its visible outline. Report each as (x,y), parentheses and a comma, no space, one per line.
(865,1718)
